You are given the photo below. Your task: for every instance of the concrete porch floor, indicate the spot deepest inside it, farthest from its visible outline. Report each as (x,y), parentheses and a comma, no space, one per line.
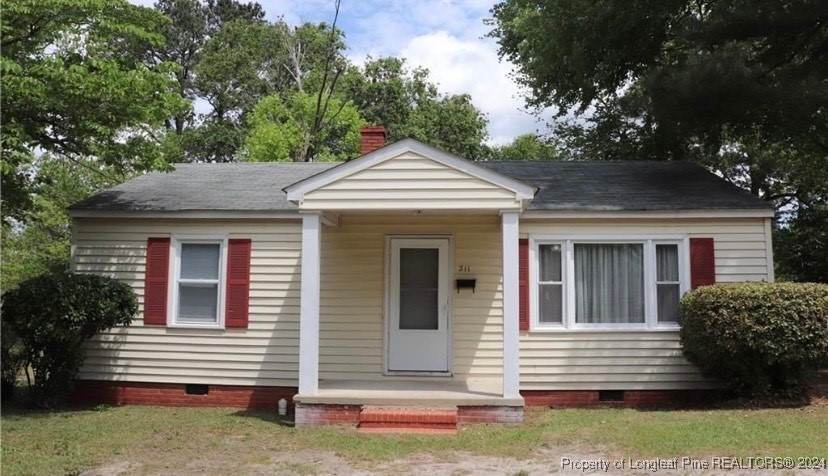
(409,392)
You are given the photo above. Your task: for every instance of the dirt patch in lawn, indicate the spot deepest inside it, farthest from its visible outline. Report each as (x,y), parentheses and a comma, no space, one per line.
(307,462)
(328,463)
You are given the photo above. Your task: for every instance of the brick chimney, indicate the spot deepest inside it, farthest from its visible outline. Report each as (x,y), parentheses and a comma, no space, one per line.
(371,139)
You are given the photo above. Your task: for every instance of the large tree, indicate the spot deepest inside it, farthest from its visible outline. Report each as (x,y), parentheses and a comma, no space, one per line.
(286,130)
(731,83)
(74,88)
(408,104)
(40,243)
(526,147)
(215,45)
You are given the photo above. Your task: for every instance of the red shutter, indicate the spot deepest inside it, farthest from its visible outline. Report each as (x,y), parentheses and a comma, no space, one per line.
(523,283)
(238,283)
(702,262)
(155,281)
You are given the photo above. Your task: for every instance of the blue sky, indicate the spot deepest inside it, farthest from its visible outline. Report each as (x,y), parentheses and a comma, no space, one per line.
(445,36)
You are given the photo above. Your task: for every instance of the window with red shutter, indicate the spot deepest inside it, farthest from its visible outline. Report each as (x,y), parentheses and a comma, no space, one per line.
(156,279)
(237,309)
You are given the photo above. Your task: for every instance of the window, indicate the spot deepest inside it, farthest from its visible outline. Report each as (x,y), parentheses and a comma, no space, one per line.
(668,282)
(198,283)
(550,285)
(608,284)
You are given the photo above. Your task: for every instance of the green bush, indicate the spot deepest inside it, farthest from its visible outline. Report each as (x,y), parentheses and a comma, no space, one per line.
(53,314)
(762,340)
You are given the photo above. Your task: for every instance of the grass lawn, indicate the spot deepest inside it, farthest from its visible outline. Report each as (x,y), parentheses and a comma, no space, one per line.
(166,439)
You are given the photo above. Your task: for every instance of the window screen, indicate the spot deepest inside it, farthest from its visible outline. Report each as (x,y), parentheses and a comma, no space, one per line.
(419,288)
(198,283)
(668,284)
(550,285)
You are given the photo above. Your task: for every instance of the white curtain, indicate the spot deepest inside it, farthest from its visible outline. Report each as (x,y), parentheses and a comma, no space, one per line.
(609,283)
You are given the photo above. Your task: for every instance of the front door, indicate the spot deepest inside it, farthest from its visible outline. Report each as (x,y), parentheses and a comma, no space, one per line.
(418,336)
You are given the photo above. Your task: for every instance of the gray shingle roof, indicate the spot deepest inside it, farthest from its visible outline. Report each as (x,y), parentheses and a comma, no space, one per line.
(563,186)
(630,186)
(207,187)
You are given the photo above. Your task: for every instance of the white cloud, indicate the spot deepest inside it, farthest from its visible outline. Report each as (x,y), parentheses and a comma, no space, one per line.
(473,67)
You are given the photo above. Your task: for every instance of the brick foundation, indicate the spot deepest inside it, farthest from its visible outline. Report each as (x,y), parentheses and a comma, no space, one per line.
(319,415)
(174,395)
(632,398)
(266,398)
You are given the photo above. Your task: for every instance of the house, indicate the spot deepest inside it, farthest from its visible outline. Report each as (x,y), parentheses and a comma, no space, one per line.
(411,276)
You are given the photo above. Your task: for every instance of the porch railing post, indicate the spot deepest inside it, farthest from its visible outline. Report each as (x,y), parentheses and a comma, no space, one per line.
(511,336)
(309,305)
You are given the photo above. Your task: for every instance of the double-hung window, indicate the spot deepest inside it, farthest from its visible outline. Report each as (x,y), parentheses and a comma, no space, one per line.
(197,287)
(621,284)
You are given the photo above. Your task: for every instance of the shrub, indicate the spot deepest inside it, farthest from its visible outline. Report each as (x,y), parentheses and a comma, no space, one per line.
(53,314)
(762,340)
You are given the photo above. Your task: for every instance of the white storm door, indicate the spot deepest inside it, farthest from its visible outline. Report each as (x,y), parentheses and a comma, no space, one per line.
(418,336)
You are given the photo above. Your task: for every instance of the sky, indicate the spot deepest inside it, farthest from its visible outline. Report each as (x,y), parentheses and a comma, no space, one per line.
(445,36)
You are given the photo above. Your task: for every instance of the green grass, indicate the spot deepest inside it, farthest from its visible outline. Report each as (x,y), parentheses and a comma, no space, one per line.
(167,438)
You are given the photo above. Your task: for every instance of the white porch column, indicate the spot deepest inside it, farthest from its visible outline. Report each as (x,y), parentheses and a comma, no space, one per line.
(511,306)
(309,305)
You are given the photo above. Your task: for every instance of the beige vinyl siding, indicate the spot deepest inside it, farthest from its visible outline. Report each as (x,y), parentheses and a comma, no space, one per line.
(352,320)
(353,294)
(264,354)
(410,181)
(586,359)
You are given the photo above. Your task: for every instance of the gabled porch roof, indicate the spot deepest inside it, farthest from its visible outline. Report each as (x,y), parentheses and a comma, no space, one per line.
(410,174)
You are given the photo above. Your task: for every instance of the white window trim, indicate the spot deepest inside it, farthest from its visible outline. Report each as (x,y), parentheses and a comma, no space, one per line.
(568,271)
(175,272)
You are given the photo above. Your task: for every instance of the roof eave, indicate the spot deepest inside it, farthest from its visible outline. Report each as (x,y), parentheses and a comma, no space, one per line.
(183,214)
(661,213)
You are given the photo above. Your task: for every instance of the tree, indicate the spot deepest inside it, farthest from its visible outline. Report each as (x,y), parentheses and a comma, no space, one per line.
(678,79)
(184,36)
(40,243)
(73,87)
(409,105)
(451,123)
(388,93)
(283,130)
(526,147)
(801,248)
(191,24)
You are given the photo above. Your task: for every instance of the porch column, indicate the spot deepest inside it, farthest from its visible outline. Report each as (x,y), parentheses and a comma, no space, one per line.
(309,305)
(511,336)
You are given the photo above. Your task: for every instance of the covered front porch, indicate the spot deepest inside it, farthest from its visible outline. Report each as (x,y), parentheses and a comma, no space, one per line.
(409,283)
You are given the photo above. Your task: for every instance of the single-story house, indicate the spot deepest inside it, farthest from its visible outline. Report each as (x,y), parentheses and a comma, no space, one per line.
(411,276)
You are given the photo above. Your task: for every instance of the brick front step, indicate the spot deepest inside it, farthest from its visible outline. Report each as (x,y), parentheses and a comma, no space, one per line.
(408,420)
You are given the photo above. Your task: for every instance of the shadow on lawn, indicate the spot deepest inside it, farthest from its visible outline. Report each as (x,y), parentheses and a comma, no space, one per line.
(268,416)
(21,406)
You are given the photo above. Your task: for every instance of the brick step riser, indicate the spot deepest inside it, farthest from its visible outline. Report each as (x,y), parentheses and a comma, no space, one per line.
(407,420)
(443,426)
